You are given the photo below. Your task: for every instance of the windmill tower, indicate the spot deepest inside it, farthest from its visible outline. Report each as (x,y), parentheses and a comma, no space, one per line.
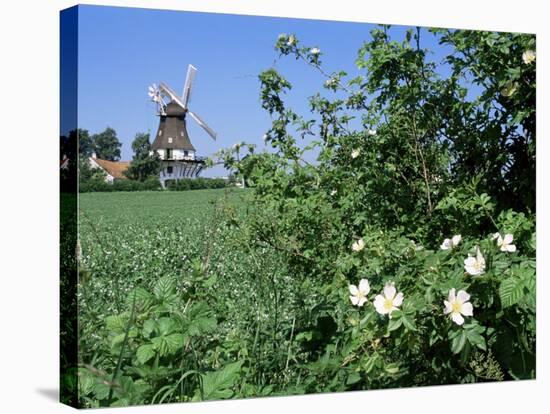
(172,143)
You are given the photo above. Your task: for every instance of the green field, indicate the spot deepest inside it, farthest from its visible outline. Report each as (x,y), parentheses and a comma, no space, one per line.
(179,247)
(135,238)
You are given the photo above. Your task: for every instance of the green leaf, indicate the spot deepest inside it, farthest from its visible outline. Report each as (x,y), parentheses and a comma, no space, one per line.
(199,320)
(394,324)
(101,391)
(145,353)
(217,384)
(164,287)
(116,323)
(392,368)
(148,328)
(174,342)
(353,378)
(370,363)
(117,339)
(166,325)
(408,323)
(510,291)
(458,342)
(160,345)
(143,298)
(474,333)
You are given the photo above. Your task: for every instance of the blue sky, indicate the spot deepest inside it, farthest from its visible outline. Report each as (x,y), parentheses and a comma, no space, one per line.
(124,50)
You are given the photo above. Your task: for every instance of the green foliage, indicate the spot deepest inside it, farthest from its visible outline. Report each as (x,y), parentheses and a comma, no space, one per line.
(430,160)
(106,145)
(196,184)
(97,183)
(144,165)
(218,385)
(85,142)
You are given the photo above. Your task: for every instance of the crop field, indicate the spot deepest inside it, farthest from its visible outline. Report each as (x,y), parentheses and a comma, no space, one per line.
(176,248)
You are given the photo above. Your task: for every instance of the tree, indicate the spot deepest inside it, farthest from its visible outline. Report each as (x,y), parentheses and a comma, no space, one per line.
(87,174)
(144,164)
(85,142)
(106,145)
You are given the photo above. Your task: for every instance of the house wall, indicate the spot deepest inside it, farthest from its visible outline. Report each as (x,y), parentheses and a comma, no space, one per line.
(108,177)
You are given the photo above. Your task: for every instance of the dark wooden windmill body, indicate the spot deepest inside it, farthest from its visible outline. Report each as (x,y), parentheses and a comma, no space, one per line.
(172,143)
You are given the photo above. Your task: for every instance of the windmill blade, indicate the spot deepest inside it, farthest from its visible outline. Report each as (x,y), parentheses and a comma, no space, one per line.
(152,91)
(186,95)
(170,93)
(203,125)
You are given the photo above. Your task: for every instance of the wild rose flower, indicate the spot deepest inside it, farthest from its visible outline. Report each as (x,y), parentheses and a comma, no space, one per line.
(475,265)
(359,293)
(451,243)
(358,245)
(388,302)
(315,51)
(333,192)
(331,82)
(505,243)
(528,57)
(372,132)
(355,153)
(458,306)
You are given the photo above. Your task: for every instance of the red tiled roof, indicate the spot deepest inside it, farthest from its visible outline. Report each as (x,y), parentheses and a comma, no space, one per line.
(114,168)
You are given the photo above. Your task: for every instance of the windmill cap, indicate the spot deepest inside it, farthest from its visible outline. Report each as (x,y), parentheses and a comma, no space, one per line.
(173,109)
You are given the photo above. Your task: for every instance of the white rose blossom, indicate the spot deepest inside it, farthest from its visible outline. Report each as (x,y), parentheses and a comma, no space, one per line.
(458,306)
(528,56)
(330,82)
(358,245)
(315,51)
(359,293)
(333,192)
(451,243)
(372,132)
(355,153)
(505,243)
(475,265)
(388,302)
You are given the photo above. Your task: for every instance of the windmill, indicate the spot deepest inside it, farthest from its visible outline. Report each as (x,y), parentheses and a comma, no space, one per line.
(172,141)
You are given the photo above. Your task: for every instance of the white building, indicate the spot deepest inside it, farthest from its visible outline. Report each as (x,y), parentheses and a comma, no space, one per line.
(112,169)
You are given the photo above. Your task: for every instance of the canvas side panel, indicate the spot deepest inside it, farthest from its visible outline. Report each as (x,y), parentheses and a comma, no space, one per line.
(68,206)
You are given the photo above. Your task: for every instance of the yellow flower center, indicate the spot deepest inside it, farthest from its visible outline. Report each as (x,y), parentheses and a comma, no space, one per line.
(388,304)
(457,307)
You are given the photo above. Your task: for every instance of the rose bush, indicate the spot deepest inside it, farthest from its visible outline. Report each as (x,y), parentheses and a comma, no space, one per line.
(427,160)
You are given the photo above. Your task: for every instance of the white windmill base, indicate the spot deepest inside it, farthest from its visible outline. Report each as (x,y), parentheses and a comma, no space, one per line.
(178,170)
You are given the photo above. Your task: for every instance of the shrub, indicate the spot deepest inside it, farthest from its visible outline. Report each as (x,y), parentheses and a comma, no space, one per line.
(195,184)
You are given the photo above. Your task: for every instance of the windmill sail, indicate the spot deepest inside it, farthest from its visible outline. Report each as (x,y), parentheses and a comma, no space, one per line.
(186,95)
(165,89)
(209,130)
